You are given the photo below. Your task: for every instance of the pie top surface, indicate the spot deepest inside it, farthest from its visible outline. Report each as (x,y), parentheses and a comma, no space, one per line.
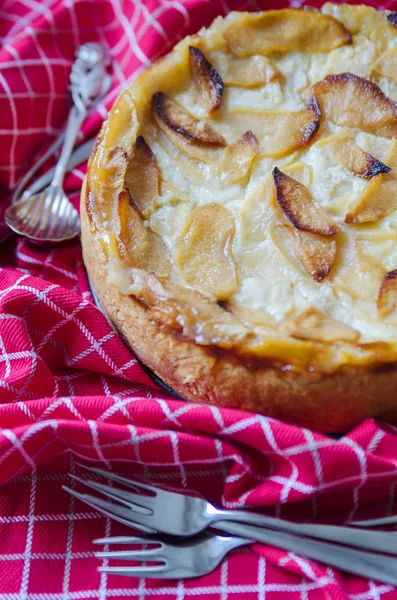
(244,188)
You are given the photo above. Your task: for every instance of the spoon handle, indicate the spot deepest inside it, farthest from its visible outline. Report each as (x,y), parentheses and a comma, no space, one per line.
(76,117)
(86,78)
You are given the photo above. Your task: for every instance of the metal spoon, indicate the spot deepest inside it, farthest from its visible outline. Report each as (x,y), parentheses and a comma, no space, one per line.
(50,216)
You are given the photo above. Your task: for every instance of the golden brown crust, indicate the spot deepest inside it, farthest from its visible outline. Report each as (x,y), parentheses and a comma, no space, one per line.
(329,403)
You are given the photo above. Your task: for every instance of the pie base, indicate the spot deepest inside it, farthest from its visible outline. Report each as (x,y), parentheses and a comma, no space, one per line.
(328,403)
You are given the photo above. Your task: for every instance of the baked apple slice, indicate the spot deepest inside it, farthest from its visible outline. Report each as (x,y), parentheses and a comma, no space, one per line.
(139,247)
(105,186)
(351,101)
(315,325)
(134,242)
(386,65)
(380,195)
(311,253)
(387,299)
(237,159)
(300,171)
(207,80)
(191,135)
(170,114)
(279,132)
(250,72)
(203,252)
(192,314)
(285,31)
(256,212)
(346,152)
(142,177)
(297,205)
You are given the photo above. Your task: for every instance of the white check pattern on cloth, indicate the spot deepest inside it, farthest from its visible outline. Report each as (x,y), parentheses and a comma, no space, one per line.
(70,390)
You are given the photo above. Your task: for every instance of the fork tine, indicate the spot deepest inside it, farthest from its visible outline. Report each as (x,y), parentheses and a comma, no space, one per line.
(126,498)
(157,571)
(127,539)
(114,511)
(127,482)
(151,554)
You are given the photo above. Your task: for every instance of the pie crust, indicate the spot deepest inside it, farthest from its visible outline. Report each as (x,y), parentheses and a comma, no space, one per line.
(239,215)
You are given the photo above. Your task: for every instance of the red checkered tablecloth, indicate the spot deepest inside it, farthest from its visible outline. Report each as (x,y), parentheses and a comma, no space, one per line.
(70,390)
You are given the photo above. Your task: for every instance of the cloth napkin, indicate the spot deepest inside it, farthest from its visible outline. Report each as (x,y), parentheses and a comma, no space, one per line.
(70,390)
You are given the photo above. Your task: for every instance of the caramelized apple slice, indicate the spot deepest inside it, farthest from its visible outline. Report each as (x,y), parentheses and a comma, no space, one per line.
(312,253)
(256,212)
(279,132)
(380,195)
(285,31)
(207,80)
(105,186)
(238,157)
(250,72)
(142,177)
(392,18)
(192,314)
(134,243)
(297,204)
(386,65)
(158,260)
(387,299)
(169,114)
(316,325)
(347,153)
(351,101)
(203,252)
(139,247)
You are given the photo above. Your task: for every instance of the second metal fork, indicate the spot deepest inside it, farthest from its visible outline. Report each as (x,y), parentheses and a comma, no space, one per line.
(177,514)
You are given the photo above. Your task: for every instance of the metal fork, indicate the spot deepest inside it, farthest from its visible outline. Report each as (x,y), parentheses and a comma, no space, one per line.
(50,216)
(197,557)
(177,514)
(179,560)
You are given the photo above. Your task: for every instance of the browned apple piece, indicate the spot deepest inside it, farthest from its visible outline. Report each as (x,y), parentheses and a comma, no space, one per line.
(170,114)
(351,156)
(387,299)
(312,253)
(316,325)
(392,18)
(256,212)
(250,72)
(105,186)
(134,242)
(285,31)
(142,177)
(386,65)
(158,260)
(351,101)
(203,252)
(206,78)
(380,195)
(238,157)
(279,132)
(192,314)
(297,204)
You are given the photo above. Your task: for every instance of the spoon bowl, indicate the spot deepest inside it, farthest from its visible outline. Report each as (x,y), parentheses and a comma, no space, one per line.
(45,217)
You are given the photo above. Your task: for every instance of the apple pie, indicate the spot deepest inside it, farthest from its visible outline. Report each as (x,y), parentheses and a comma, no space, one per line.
(239,215)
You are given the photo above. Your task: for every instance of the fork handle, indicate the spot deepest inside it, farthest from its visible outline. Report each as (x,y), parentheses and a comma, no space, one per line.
(368,539)
(368,565)
(76,117)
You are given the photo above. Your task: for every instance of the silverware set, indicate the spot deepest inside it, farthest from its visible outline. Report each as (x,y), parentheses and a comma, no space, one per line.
(195,549)
(47,215)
